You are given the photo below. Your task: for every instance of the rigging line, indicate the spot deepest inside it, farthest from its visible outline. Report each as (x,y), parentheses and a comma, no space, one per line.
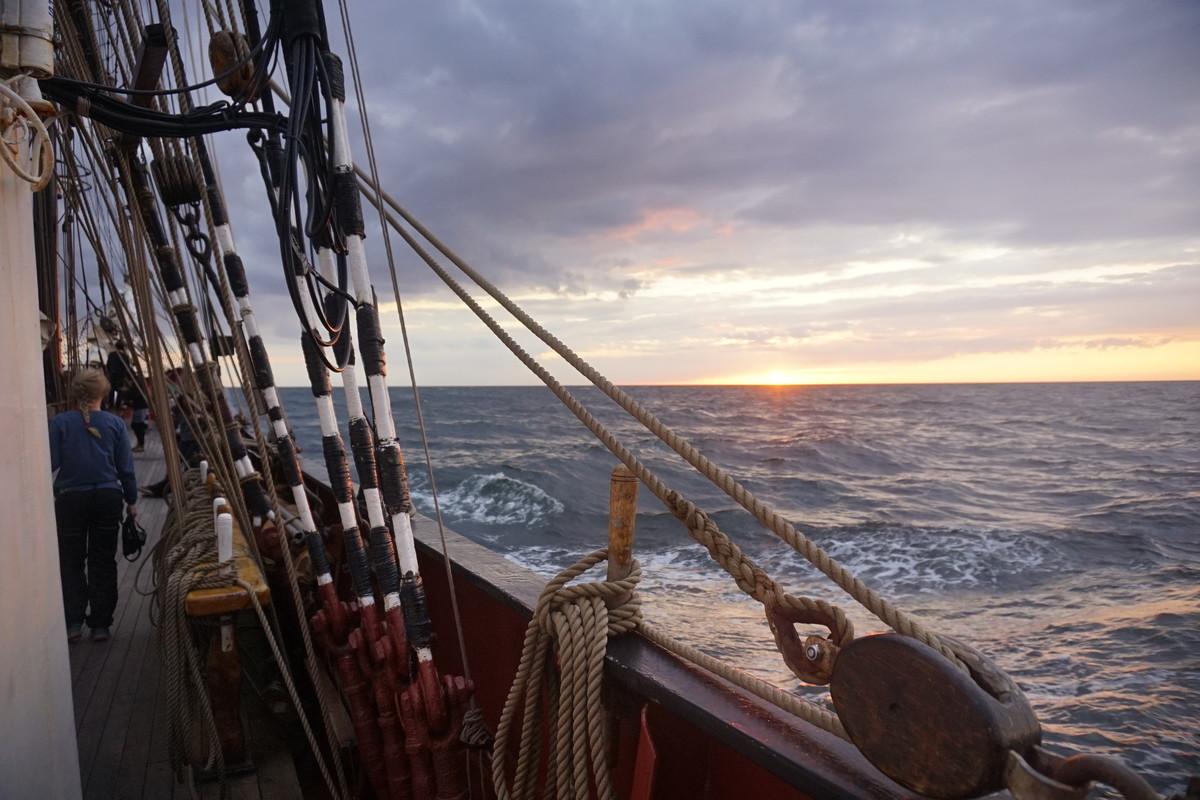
(378,456)
(393,495)
(104,269)
(364,119)
(213,206)
(211,203)
(99,249)
(137,187)
(263,381)
(597,428)
(841,576)
(747,575)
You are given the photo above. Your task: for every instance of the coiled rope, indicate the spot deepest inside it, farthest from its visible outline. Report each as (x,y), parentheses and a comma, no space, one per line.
(187,561)
(560,676)
(18,127)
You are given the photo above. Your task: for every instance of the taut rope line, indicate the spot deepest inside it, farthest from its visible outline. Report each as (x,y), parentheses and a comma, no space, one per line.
(866,596)
(749,577)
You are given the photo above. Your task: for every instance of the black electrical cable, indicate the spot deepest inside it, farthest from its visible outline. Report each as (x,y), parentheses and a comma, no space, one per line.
(139,121)
(305,152)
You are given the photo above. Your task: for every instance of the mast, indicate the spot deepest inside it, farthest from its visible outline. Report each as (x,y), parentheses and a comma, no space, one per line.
(38,752)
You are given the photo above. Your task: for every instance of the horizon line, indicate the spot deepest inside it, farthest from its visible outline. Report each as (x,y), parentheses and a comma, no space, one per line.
(776,385)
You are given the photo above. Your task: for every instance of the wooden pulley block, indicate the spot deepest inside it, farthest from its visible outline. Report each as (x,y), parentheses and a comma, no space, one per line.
(924,722)
(229,55)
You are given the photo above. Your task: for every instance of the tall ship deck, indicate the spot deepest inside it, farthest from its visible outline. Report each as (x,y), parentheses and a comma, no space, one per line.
(291,636)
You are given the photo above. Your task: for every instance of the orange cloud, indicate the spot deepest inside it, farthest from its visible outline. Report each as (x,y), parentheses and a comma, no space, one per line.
(674,220)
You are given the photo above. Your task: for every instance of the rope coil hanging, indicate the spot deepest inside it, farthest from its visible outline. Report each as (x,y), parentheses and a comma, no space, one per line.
(560,677)
(22,124)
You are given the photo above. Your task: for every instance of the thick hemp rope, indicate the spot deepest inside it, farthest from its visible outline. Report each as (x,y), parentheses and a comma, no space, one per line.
(570,629)
(867,597)
(748,576)
(189,561)
(188,542)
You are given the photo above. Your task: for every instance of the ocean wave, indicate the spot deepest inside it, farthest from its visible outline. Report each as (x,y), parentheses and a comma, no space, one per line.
(1052,526)
(494,499)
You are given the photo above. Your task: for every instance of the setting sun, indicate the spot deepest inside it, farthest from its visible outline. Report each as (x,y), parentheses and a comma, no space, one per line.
(777,377)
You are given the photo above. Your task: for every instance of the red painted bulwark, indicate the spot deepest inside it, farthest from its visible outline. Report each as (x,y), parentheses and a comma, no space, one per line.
(678,733)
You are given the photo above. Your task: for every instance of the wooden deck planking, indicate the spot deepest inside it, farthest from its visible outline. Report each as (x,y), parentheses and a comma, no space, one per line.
(120,693)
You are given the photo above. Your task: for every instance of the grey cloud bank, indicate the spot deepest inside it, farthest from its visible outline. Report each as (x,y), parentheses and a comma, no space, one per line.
(589,158)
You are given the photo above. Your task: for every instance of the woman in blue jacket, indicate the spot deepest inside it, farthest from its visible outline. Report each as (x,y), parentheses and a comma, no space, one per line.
(90,451)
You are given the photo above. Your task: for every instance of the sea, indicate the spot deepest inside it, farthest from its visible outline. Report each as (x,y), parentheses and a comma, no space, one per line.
(1055,527)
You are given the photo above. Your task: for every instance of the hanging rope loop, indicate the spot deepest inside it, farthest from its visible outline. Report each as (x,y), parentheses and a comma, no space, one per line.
(559,677)
(21,122)
(558,595)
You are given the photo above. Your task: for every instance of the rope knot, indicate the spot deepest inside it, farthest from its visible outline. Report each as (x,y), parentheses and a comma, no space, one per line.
(618,599)
(560,675)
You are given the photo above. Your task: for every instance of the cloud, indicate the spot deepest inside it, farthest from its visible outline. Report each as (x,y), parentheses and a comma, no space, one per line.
(894,176)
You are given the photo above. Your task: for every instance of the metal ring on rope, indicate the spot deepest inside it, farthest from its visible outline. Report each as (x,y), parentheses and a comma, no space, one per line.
(199,245)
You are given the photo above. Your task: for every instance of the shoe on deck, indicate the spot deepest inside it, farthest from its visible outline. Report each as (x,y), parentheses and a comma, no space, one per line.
(137,448)
(101,634)
(74,633)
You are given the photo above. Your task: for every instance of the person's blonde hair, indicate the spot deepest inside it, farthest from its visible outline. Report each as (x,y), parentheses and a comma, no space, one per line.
(89,384)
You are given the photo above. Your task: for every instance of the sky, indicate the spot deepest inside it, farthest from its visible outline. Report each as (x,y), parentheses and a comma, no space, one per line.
(782,191)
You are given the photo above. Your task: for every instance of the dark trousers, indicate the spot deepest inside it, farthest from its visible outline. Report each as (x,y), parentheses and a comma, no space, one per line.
(88,526)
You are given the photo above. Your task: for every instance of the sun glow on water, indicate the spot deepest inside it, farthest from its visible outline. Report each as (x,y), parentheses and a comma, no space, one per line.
(776,377)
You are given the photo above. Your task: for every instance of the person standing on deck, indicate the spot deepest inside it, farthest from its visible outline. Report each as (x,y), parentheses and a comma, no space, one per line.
(116,369)
(141,412)
(90,454)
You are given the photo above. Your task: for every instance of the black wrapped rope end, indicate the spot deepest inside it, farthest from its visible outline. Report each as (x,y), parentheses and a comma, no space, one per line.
(416,611)
(362,444)
(261,362)
(318,377)
(383,559)
(288,461)
(256,498)
(168,268)
(237,447)
(337,75)
(237,275)
(189,327)
(316,552)
(338,468)
(348,203)
(356,562)
(393,483)
(370,340)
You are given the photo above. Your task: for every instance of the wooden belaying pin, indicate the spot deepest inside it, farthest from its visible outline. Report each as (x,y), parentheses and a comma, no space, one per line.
(622,512)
